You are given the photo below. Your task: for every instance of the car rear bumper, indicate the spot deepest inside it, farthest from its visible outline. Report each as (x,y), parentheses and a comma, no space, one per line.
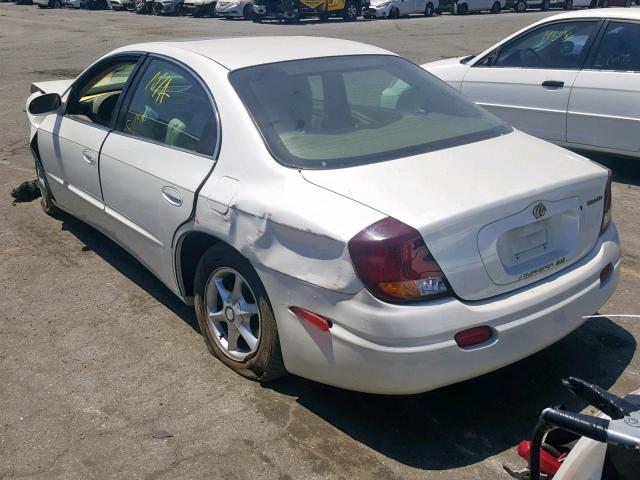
(394,349)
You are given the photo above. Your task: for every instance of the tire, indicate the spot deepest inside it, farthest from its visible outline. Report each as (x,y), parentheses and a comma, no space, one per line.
(463,9)
(257,18)
(495,8)
(545,5)
(521,6)
(46,199)
(568,4)
(350,12)
(429,10)
(247,11)
(221,267)
(55,4)
(179,12)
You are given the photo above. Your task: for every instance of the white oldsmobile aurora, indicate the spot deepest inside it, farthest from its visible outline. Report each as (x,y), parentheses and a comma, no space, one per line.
(321,225)
(572,79)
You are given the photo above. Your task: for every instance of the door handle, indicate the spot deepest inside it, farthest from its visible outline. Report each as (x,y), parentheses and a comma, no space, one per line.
(172,196)
(89,156)
(553,84)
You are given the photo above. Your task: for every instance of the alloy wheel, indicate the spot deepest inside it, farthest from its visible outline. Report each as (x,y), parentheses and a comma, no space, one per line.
(233,316)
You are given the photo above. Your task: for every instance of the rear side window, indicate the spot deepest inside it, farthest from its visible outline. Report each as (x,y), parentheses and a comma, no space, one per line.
(561,45)
(169,106)
(619,48)
(343,111)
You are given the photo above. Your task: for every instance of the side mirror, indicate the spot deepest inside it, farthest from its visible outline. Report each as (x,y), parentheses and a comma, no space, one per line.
(46,103)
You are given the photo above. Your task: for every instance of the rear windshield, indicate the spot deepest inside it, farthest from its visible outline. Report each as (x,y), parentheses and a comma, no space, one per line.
(342,111)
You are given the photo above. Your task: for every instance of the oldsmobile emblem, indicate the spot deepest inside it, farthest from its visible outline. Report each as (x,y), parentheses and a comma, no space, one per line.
(539,210)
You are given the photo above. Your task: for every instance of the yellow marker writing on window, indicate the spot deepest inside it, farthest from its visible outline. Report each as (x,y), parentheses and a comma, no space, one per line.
(158,86)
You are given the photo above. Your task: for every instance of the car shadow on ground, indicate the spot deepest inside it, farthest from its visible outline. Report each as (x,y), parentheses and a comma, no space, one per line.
(466,423)
(128,266)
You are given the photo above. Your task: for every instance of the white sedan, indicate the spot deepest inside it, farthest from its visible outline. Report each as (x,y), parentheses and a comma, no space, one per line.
(400,8)
(573,79)
(320,226)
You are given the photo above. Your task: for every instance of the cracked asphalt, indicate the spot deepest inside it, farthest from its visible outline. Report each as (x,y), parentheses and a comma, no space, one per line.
(97,358)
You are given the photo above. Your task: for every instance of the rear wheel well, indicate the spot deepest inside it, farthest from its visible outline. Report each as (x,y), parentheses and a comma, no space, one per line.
(192,247)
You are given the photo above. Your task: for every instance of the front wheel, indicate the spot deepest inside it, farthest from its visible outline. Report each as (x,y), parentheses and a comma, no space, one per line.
(521,6)
(495,8)
(429,10)
(463,9)
(257,18)
(179,10)
(235,315)
(350,13)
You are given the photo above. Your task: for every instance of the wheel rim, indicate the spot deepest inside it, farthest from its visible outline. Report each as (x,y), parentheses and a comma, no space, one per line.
(233,316)
(351,11)
(429,10)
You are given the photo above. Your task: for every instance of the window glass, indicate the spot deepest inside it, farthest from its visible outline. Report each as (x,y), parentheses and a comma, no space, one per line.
(559,45)
(95,100)
(169,106)
(372,108)
(619,48)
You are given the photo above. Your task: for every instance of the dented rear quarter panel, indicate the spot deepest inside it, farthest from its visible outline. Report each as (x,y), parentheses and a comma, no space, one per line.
(269,213)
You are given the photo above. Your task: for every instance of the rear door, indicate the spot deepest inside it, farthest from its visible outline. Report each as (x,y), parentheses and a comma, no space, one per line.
(69,143)
(153,164)
(528,80)
(604,109)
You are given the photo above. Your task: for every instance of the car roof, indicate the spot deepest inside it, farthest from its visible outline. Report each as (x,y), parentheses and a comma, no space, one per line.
(241,52)
(621,13)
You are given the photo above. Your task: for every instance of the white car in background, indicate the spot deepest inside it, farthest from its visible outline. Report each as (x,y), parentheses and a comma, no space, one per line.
(573,79)
(49,3)
(200,8)
(462,7)
(235,9)
(400,8)
(317,227)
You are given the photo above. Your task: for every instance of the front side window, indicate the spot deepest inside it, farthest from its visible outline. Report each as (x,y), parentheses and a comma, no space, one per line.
(95,99)
(619,48)
(169,106)
(343,111)
(561,45)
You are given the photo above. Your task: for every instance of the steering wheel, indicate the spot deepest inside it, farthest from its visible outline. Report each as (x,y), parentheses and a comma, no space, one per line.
(529,57)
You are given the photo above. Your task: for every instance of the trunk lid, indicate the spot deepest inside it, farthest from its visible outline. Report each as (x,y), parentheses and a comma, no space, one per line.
(496,215)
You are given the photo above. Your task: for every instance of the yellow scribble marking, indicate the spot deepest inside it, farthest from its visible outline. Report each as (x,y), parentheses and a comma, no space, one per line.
(158,85)
(138,119)
(552,36)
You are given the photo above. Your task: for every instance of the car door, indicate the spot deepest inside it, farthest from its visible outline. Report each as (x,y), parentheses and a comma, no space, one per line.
(406,6)
(69,143)
(527,81)
(604,109)
(420,6)
(154,162)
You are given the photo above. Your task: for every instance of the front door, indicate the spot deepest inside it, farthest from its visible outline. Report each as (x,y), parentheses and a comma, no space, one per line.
(527,81)
(153,164)
(604,109)
(69,143)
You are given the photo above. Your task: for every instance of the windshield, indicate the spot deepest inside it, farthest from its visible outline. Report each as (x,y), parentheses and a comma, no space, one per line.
(342,111)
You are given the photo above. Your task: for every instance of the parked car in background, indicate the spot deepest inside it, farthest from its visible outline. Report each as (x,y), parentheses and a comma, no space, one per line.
(48,3)
(73,3)
(95,4)
(400,8)
(573,79)
(123,5)
(200,8)
(235,9)
(520,6)
(168,7)
(292,261)
(462,7)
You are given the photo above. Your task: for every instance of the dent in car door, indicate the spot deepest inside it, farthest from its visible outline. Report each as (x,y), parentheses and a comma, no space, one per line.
(153,166)
(527,82)
(604,109)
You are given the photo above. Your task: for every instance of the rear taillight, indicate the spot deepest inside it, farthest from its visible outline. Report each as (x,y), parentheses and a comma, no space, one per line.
(606,212)
(393,262)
